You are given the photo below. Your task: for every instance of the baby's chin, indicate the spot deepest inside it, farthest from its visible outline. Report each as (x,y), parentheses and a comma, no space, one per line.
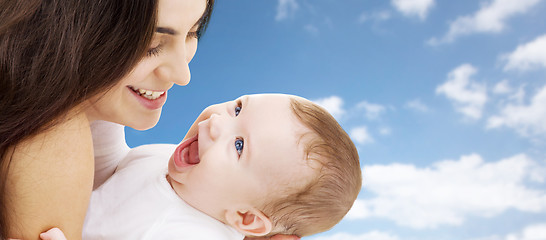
(171,169)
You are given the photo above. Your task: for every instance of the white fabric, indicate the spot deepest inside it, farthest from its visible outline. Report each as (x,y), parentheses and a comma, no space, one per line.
(109,146)
(137,202)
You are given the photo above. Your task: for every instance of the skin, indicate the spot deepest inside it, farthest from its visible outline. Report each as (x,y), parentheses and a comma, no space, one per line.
(57,234)
(51,174)
(50,180)
(262,121)
(239,178)
(173,47)
(61,198)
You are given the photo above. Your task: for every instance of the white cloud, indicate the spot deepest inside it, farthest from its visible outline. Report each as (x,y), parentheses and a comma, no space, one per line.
(528,56)
(502,87)
(285,9)
(417,105)
(491,18)
(385,131)
(419,8)
(374,235)
(311,29)
(449,191)
(532,232)
(535,231)
(359,210)
(377,16)
(527,120)
(518,95)
(468,96)
(333,104)
(373,111)
(363,17)
(361,135)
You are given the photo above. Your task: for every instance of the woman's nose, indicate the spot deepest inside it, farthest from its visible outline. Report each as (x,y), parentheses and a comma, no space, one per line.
(175,69)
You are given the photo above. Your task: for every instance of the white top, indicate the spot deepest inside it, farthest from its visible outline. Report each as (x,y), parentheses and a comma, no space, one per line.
(137,202)
(110,148)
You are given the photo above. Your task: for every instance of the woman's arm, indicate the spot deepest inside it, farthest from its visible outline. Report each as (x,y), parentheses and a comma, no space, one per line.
(50,180)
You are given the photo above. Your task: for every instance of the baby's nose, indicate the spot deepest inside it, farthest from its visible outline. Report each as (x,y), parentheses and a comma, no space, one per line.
(214,125)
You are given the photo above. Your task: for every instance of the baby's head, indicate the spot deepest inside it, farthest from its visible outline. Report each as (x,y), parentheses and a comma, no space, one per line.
(268,164)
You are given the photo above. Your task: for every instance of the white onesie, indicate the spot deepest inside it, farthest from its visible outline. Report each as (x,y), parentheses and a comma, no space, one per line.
(137,202)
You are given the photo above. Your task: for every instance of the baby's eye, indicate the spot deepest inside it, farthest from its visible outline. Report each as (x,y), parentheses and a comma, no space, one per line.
(238,108)
(239,144)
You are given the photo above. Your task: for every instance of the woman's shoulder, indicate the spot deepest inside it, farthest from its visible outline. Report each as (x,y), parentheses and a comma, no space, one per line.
(70,137)
(57,163)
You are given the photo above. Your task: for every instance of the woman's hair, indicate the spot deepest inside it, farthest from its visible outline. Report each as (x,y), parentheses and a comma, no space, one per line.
(56,54)
(323,201)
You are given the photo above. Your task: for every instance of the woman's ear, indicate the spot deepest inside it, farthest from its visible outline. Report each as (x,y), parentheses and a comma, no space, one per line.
(250,222)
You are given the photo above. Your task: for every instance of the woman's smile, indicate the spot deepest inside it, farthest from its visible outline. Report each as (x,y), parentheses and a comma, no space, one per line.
(149,94)
(149,99)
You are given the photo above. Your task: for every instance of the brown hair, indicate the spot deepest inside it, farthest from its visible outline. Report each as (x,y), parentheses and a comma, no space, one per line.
(325,200)
(56,54)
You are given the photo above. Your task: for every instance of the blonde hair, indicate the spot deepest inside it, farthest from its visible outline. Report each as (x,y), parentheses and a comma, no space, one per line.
(323,201)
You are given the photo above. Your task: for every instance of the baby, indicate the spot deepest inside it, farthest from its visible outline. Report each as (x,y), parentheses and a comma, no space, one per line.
(258,166)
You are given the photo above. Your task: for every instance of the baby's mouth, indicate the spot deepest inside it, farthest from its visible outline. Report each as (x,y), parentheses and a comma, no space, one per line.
(193,152)
(187,153)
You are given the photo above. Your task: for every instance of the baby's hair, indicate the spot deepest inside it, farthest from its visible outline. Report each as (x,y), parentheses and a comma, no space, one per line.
(323,201)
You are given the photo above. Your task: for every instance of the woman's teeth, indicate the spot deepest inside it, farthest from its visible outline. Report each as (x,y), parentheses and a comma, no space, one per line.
(152,95)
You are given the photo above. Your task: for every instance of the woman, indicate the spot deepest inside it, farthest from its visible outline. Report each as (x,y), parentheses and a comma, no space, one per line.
(64,64)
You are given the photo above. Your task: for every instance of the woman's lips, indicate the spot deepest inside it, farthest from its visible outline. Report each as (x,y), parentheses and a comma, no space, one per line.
(152,104)
(187,154)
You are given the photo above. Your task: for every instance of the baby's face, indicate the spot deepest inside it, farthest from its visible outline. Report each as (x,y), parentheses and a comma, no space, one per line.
(237,152)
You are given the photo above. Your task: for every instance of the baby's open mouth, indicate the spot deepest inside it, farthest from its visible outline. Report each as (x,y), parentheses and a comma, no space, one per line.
(193,152)
(187,153)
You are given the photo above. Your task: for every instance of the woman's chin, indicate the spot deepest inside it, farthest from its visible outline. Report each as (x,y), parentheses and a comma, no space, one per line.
(143,124)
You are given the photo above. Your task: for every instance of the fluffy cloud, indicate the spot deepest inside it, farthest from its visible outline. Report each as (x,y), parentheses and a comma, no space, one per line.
(528,120)
(361,135)
(417,105)
(527,56)
(310,28)
(468,96)
(377,16)
(491,18)
(373,111)
(502,87)
(333,104)
(533,232)
(419,8)
(449,191)
(374,235)
(286,8)
(385,131)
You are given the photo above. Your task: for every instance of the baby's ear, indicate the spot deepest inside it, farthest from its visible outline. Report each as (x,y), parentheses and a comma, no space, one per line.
(251,222)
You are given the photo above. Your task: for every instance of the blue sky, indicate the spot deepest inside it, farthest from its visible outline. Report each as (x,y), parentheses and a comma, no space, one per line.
(445,100)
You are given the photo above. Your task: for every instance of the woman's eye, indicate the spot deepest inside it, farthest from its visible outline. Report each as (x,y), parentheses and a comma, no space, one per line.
(239,144)
(154,51)
(193,35)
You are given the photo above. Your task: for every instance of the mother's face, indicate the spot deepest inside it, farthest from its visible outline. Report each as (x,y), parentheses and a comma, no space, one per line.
(136,101)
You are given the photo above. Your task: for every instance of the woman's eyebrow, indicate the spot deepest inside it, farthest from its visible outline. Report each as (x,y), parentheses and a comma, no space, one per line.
(166,30)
